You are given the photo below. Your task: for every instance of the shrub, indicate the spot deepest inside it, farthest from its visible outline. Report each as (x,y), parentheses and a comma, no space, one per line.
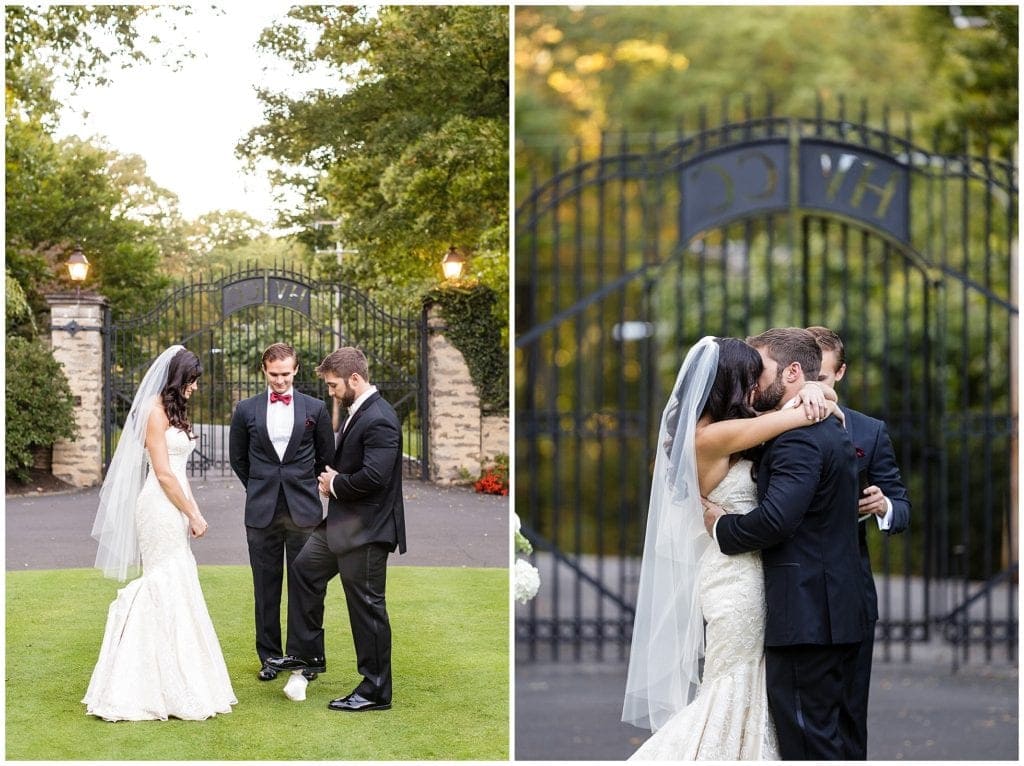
(40,408)
(494,481)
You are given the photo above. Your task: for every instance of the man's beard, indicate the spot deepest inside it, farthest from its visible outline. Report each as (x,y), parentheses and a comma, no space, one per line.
(348,398)
(769,398)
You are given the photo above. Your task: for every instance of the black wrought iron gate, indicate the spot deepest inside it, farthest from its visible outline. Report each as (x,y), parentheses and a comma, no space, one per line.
(228,322)
(632,252)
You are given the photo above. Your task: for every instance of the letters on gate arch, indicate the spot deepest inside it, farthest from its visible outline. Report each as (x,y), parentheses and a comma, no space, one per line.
(754,178)
(256,291)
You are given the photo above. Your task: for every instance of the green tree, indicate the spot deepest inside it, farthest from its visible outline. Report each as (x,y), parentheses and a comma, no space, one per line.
(82,42)
(412,157)
(33,420)
(59,193)
(582,72)
(981,64)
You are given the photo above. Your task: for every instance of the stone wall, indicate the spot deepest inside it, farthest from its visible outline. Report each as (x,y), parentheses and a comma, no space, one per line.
(77,344)
(461,437)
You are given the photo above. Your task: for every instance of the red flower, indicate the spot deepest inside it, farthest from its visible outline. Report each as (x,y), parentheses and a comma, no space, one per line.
(860,452)
(491,483)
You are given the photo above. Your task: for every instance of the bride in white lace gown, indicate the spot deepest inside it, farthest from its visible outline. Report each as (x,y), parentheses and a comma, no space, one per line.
(160,657)
(685,581)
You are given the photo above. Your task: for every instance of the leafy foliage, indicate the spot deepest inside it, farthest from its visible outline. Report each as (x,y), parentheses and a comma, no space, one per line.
(17,311)
(59,193)
(584,71)
(81,40)
(412,157)
(475,330)
(34,420)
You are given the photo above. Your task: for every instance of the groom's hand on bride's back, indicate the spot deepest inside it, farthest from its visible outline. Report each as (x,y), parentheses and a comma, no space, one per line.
(712,512)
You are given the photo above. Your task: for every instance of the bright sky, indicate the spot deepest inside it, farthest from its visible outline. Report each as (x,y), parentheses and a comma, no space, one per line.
(186,123)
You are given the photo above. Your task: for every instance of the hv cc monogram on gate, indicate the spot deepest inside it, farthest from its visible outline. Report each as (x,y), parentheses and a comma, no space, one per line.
(834,177)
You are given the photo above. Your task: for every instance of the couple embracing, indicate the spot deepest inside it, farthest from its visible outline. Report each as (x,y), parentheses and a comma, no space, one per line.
(160,656)
(753,530)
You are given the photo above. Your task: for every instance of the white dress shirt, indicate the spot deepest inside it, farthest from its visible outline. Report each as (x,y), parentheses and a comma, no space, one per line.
(280,421)
(357,404)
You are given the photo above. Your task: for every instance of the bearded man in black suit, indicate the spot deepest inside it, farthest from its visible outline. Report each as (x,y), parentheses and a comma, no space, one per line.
(365,522)
(805,526)
(279,441)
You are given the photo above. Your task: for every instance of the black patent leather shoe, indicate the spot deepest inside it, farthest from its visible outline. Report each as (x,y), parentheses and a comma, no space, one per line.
(288,662)
(357,703)
(266,673)
(309,675)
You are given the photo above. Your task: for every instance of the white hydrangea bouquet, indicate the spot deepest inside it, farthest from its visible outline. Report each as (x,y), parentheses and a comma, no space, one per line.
(526,576)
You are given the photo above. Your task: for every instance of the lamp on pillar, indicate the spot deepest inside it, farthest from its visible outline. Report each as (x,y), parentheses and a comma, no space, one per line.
(453,263)
(78,269)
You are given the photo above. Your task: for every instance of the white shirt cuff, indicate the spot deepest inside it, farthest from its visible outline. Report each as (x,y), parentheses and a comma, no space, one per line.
(884,522)
(714,530)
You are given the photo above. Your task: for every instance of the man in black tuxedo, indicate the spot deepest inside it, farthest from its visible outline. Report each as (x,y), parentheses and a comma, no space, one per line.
(805,526)
(883,496)
(279,441)
(365,522)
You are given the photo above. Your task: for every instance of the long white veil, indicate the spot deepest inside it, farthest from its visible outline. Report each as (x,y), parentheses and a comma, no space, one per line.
(668,630)
(118,554)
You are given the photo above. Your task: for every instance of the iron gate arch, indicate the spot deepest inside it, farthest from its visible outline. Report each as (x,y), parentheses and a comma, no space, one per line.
(228,322)
(628,256)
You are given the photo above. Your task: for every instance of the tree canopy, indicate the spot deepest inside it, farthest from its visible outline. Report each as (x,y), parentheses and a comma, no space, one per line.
(410,154)
(63,192)
(582,71)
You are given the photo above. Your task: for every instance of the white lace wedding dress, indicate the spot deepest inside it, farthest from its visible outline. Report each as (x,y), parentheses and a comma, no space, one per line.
(729,719)
(160,657)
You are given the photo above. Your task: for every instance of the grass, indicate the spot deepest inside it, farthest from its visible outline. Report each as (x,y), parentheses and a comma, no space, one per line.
(450,664)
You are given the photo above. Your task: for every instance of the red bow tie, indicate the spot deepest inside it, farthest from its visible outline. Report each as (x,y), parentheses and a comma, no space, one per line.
(276,397)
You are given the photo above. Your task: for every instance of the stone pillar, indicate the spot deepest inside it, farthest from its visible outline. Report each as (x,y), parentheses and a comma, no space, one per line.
(453,406)
(494,436)
(76,337)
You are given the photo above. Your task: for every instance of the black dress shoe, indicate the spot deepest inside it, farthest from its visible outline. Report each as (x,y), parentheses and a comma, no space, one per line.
(357,703)
(288,662)
(266,673)
(309,675)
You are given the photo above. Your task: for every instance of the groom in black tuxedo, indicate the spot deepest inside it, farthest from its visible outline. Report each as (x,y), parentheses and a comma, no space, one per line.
(883,503)
(365,522)
(279,441)
(805,526)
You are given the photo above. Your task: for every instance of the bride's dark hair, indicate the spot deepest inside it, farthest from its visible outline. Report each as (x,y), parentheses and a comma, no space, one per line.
(739,367)
(183,370)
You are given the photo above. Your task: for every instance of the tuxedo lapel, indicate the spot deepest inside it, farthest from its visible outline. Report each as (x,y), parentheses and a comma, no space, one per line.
(261,426)
(347,428)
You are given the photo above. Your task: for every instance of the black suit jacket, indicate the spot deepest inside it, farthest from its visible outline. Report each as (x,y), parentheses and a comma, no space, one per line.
(870,437)
(254,459)
(366,505)
(805,526)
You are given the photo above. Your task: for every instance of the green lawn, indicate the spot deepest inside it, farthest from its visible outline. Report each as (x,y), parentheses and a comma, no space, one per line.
(450,662)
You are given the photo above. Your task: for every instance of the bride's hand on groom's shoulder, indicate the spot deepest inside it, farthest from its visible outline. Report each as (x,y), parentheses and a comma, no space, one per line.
(815,398)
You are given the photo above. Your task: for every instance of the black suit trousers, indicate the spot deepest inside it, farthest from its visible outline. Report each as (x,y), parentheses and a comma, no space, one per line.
(363,573)
(269,548)
(809,701)
(859,698)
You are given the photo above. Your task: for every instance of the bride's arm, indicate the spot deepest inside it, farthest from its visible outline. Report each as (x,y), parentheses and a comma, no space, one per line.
(728,437)
(156,443)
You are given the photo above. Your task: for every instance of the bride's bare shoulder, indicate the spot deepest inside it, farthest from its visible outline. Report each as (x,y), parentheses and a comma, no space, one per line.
(157,415)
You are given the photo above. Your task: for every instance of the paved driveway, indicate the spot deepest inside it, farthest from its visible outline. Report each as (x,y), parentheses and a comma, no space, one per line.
(445,527)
